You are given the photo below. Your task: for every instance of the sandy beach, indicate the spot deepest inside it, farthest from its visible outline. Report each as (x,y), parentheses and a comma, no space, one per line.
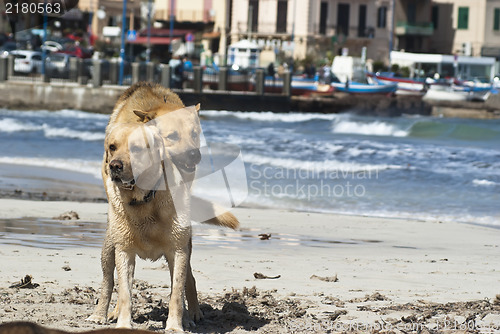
(336,273)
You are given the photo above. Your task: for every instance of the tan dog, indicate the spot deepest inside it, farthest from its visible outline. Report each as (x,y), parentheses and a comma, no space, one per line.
(150,221)
(22,327)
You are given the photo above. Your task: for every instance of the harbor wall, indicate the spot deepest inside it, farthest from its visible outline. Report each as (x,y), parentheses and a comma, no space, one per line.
(67,95)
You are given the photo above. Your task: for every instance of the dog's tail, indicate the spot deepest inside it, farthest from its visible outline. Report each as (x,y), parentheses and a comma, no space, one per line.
(226,219)
(202,208)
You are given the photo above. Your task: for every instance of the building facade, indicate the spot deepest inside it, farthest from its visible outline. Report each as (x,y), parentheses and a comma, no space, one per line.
(318,27)
(314,27)
(413,25)
(466,27)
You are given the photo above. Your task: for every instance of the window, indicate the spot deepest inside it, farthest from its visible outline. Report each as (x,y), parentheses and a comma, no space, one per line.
(323,16)
(253,14)
(435,16)
(463,18)
(381,17)
(412,13)
(281,19)
(362,21)
(343,19)
(496,19)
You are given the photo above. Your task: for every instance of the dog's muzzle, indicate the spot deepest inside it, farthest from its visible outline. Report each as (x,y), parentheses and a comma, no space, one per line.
(187,161)
(116,173)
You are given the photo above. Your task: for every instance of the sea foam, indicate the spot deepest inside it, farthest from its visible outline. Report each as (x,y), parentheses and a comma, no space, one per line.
(270,116)
(376,128)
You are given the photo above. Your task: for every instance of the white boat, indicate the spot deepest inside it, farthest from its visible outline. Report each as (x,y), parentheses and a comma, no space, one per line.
(438,92)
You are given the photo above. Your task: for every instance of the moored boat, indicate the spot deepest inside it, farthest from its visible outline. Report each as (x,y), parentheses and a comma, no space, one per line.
(354,87)
(457,92)
(405,86)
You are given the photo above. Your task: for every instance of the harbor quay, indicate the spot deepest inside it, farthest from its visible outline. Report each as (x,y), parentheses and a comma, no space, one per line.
(99,95)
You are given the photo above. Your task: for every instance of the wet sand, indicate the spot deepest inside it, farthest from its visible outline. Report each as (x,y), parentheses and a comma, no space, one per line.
(335,272)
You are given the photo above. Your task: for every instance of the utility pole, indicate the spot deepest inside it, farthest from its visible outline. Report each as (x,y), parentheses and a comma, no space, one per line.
(172,17)
(122,47)
(227,31)
(250,18)
(391,37)
(148,49)
(44,39)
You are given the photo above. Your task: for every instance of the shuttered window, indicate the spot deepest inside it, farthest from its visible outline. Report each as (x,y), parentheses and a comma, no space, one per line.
(463,18)
(496,19)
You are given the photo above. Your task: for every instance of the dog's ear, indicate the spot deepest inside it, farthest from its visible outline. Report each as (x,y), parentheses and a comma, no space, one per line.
(197,108)
(106,160)
(144,116)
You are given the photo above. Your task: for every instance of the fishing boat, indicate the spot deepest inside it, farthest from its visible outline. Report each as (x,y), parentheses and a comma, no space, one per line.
(405,86)
(299,86)
(354,87)
(457,91)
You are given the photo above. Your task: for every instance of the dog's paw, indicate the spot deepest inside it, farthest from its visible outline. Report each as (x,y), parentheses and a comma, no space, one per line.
(187,322)
(97,319)
(195,315)
(124,324)
(173,325)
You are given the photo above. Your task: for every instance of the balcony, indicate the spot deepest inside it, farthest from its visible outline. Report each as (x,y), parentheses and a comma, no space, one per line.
(418,28)
(184,15)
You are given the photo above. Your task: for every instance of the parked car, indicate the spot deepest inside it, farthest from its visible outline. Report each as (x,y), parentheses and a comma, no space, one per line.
(26,61)
(52,46)
(58,63)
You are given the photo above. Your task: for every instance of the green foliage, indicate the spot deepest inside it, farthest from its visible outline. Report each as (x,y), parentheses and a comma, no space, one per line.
(395,68)
(404,71)
(379,66)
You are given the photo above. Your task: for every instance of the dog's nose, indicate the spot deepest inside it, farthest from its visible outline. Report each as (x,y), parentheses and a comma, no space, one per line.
(194,155)
(116,165)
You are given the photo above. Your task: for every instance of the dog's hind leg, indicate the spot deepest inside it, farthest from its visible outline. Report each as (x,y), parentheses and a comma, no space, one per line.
(177,263)
(125,265)
(194,311)
(108,268)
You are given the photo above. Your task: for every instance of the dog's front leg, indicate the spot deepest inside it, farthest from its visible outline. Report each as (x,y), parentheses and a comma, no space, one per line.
(108,268)
(194,311)
(125,265)
(178,260)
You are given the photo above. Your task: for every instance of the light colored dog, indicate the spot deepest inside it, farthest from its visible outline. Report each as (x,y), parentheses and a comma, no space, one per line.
(149,212)
(22,327)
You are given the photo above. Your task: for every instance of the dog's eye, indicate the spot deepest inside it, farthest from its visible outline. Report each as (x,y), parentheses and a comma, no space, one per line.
(112,147)
(194,135)
(174,136)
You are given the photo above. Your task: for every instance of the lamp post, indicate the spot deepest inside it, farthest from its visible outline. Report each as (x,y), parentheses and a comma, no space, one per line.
(122,46)
(148,49)
(44,39)
(391,37)
(171,32)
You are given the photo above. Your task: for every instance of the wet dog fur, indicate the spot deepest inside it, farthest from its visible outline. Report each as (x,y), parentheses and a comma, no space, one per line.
(146,223)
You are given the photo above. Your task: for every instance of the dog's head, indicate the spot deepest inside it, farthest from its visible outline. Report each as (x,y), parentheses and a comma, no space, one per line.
(133,154)
(180,130)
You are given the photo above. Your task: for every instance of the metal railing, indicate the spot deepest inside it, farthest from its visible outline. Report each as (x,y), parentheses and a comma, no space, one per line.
(414,28)
(97,73)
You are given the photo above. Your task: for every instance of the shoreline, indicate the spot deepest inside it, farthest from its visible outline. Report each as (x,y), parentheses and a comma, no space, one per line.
(48,183)
(385,269)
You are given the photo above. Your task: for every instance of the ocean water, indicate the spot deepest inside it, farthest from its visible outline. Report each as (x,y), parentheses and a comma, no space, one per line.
(416,167)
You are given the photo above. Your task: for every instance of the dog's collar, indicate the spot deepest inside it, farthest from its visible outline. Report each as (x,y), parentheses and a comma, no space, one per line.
(145,200)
